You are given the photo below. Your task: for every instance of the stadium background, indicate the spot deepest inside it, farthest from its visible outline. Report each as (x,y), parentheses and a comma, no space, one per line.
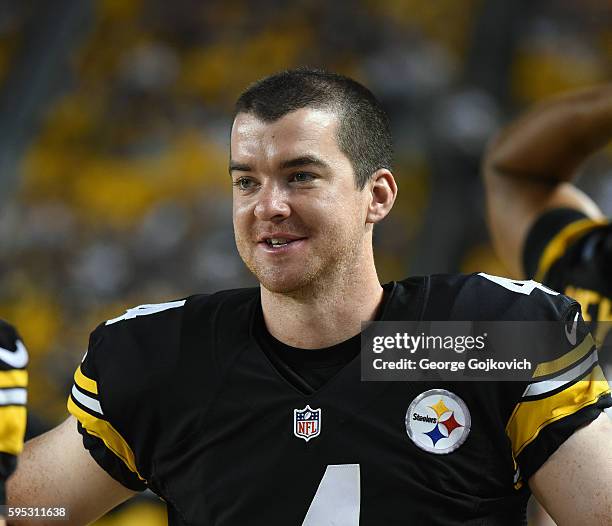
(114,121)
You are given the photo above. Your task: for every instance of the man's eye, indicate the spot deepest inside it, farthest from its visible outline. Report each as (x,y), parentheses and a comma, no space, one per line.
(302,177)
(244,183)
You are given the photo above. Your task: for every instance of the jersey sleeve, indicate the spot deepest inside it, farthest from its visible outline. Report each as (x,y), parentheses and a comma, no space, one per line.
(13,398)
(105,443)
(551,238)
(115,388)
(565,394)
(567,389)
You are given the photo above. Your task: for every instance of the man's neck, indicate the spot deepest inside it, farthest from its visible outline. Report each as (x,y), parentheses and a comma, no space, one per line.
(326,316)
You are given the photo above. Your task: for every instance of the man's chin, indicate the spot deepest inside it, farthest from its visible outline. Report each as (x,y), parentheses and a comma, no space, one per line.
(286,286)
(283,283)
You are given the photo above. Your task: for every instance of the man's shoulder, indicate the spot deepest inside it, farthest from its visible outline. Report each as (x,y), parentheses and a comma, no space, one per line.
(158,334)
(161,351)
(481,296)
(153,318)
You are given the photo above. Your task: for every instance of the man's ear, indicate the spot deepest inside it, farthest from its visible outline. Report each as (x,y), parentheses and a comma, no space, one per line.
(383,191)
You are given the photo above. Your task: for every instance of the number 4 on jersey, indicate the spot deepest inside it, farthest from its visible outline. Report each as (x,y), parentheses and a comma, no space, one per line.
(337,501)
(145,310)
(522,287)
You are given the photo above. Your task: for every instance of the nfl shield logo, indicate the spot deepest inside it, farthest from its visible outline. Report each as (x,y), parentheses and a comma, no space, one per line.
(306,423)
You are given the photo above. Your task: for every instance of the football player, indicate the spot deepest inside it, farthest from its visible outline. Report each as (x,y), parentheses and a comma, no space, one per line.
(543,226)
(247,406)
(13,397)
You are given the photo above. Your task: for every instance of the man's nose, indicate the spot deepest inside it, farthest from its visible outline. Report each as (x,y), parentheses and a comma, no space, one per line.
(272,203)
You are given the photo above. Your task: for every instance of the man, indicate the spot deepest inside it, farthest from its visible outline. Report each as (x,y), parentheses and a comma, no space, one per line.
(541,225)
(246,406)
(13,394)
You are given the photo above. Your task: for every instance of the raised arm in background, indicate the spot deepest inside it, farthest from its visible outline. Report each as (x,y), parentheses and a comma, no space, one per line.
(529,166)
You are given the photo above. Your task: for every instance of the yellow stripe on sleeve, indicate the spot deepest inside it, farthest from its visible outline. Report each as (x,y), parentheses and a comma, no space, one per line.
(530,417)
(560,242)
(85,383)
(554,366)
(12,429)
(108,434)
(14,378)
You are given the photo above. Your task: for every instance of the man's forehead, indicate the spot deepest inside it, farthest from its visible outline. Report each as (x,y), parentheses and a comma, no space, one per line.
(293,130)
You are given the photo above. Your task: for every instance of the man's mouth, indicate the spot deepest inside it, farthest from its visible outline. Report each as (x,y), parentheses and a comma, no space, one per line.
(278,242)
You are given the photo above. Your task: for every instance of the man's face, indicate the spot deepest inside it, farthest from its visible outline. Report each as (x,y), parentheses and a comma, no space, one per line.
(298,217)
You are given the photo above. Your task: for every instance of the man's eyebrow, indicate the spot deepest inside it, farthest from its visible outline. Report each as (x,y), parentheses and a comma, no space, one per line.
(304,160)
(238,167)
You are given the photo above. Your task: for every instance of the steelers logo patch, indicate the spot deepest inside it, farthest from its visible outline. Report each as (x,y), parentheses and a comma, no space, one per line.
(438,421)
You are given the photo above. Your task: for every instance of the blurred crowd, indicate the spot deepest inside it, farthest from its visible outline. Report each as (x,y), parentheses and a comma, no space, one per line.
(123,195)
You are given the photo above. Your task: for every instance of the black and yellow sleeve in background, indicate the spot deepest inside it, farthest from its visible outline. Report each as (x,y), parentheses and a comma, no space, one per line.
(565,394)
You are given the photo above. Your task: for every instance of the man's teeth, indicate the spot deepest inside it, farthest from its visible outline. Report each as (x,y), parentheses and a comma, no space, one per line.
(277,242)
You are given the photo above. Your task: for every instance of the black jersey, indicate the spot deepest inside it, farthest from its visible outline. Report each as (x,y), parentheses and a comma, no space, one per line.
(180,398)
(572,253)
(569,252)
(13,397)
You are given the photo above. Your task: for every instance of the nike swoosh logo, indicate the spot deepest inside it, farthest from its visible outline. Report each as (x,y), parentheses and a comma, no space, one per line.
(16,359)
(571,335)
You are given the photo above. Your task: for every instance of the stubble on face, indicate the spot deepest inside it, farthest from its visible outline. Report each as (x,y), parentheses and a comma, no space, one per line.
(331,217)
(326,263)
